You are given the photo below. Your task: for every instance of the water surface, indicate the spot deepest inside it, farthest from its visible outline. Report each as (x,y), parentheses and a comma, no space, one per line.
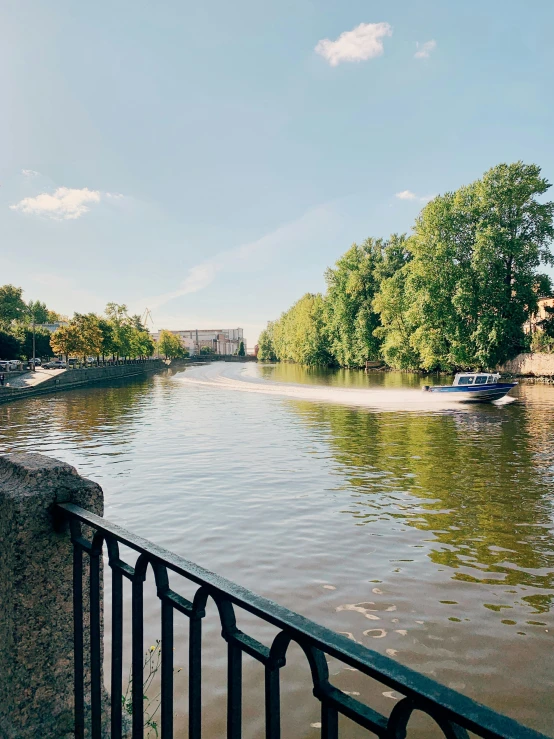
(422,530)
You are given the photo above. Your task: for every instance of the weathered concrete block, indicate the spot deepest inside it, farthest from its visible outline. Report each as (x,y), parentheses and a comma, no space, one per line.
(36,596)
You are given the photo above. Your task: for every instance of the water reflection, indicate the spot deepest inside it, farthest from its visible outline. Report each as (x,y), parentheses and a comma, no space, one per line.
(426,535)
(476,481)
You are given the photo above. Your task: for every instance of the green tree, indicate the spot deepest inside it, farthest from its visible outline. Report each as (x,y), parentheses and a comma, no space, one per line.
(107,344)
(351,318)
(300,334)
(141,343)
(10,346)
(473,278)
(43,348)
(37,312)
(266,346)
(12,306)
(65,340)
(392,303)
(89,335)
(170,345)
(241,352)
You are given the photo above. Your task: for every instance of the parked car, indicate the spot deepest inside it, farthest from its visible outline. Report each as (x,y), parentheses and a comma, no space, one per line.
(37,361)
(56,364)
(9,365)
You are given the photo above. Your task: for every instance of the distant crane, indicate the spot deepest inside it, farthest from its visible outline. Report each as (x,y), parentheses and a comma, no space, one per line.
(147,315)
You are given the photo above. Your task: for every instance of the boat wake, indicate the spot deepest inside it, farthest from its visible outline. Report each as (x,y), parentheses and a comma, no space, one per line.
(245,378)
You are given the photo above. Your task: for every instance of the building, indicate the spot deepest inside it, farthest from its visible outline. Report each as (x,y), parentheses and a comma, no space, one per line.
(537,319)
(220,340)
(51,326)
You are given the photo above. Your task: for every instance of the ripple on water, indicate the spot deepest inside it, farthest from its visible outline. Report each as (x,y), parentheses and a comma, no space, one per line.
(339,483)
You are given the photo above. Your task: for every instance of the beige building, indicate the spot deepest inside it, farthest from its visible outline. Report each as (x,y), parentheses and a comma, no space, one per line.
(536,320)
(223,341)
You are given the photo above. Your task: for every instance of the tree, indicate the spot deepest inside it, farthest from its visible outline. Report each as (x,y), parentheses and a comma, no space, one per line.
(266,346)
(241,352)
(87,328)
(12,306)
(352,285)
(107,345)
(141,344)
(170,345)
(392,303)
(65,340)
(350,318)
(300,334)
(10,347)
(43,347)
(206,350)
(472,281)
(37,312)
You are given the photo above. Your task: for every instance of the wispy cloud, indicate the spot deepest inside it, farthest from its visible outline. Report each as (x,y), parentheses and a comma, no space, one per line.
(244,256)
(30,173)
(409,195)
(363,42)
(197,278)
(424,50)
(65,203)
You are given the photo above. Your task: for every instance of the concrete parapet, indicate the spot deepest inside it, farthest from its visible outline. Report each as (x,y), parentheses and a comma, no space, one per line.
(36,596)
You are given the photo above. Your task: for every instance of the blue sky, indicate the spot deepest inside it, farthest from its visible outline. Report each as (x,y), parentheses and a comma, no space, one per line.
(210,160)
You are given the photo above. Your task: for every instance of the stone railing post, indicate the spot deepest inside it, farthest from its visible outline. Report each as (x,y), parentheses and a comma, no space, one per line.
(36,596)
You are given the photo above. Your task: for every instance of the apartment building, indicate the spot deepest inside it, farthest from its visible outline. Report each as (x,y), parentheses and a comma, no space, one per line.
(220,340)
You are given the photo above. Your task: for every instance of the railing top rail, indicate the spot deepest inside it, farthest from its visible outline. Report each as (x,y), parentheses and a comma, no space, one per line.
(459,708)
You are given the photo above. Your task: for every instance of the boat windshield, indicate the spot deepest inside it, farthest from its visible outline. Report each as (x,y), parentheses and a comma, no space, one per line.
(466,380)
(481,379)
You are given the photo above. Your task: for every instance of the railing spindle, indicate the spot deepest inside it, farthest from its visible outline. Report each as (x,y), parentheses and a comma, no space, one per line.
(234,691)
(167,670)
(95,646)
(329,721)
(117,653)
(78,635)
(195,678)
(137,656)
(272,703)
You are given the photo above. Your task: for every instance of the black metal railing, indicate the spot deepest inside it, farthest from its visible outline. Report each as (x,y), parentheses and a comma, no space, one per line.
(454,713)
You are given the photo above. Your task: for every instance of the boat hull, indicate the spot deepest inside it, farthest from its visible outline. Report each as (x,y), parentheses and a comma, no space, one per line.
(474,393)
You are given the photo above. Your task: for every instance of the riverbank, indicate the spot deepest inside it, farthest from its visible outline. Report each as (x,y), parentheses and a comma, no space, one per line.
(28,384)
(43,381)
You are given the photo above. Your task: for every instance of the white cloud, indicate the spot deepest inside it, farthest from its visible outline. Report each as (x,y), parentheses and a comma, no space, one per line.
(64,204)
(424,50)
(406,195)
(30,173)
(409,195)
(363,42)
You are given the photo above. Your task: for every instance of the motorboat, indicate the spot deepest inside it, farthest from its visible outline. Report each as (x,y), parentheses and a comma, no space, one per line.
(474,387)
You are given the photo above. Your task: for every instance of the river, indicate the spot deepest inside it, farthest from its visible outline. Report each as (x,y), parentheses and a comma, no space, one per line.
(422,530)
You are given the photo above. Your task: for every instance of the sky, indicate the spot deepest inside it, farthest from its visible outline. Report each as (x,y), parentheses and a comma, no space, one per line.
(209,161)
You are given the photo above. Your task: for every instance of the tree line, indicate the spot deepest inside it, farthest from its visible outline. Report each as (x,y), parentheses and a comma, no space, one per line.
(114,335)
(454,294)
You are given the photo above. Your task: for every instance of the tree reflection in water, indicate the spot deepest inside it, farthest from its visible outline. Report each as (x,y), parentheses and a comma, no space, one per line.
(478,480)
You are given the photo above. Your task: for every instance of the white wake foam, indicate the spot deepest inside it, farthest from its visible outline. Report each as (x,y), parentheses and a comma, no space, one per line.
(246,379)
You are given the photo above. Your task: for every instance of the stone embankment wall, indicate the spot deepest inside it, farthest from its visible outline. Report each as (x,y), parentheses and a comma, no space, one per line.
(530,365)
(86,376)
